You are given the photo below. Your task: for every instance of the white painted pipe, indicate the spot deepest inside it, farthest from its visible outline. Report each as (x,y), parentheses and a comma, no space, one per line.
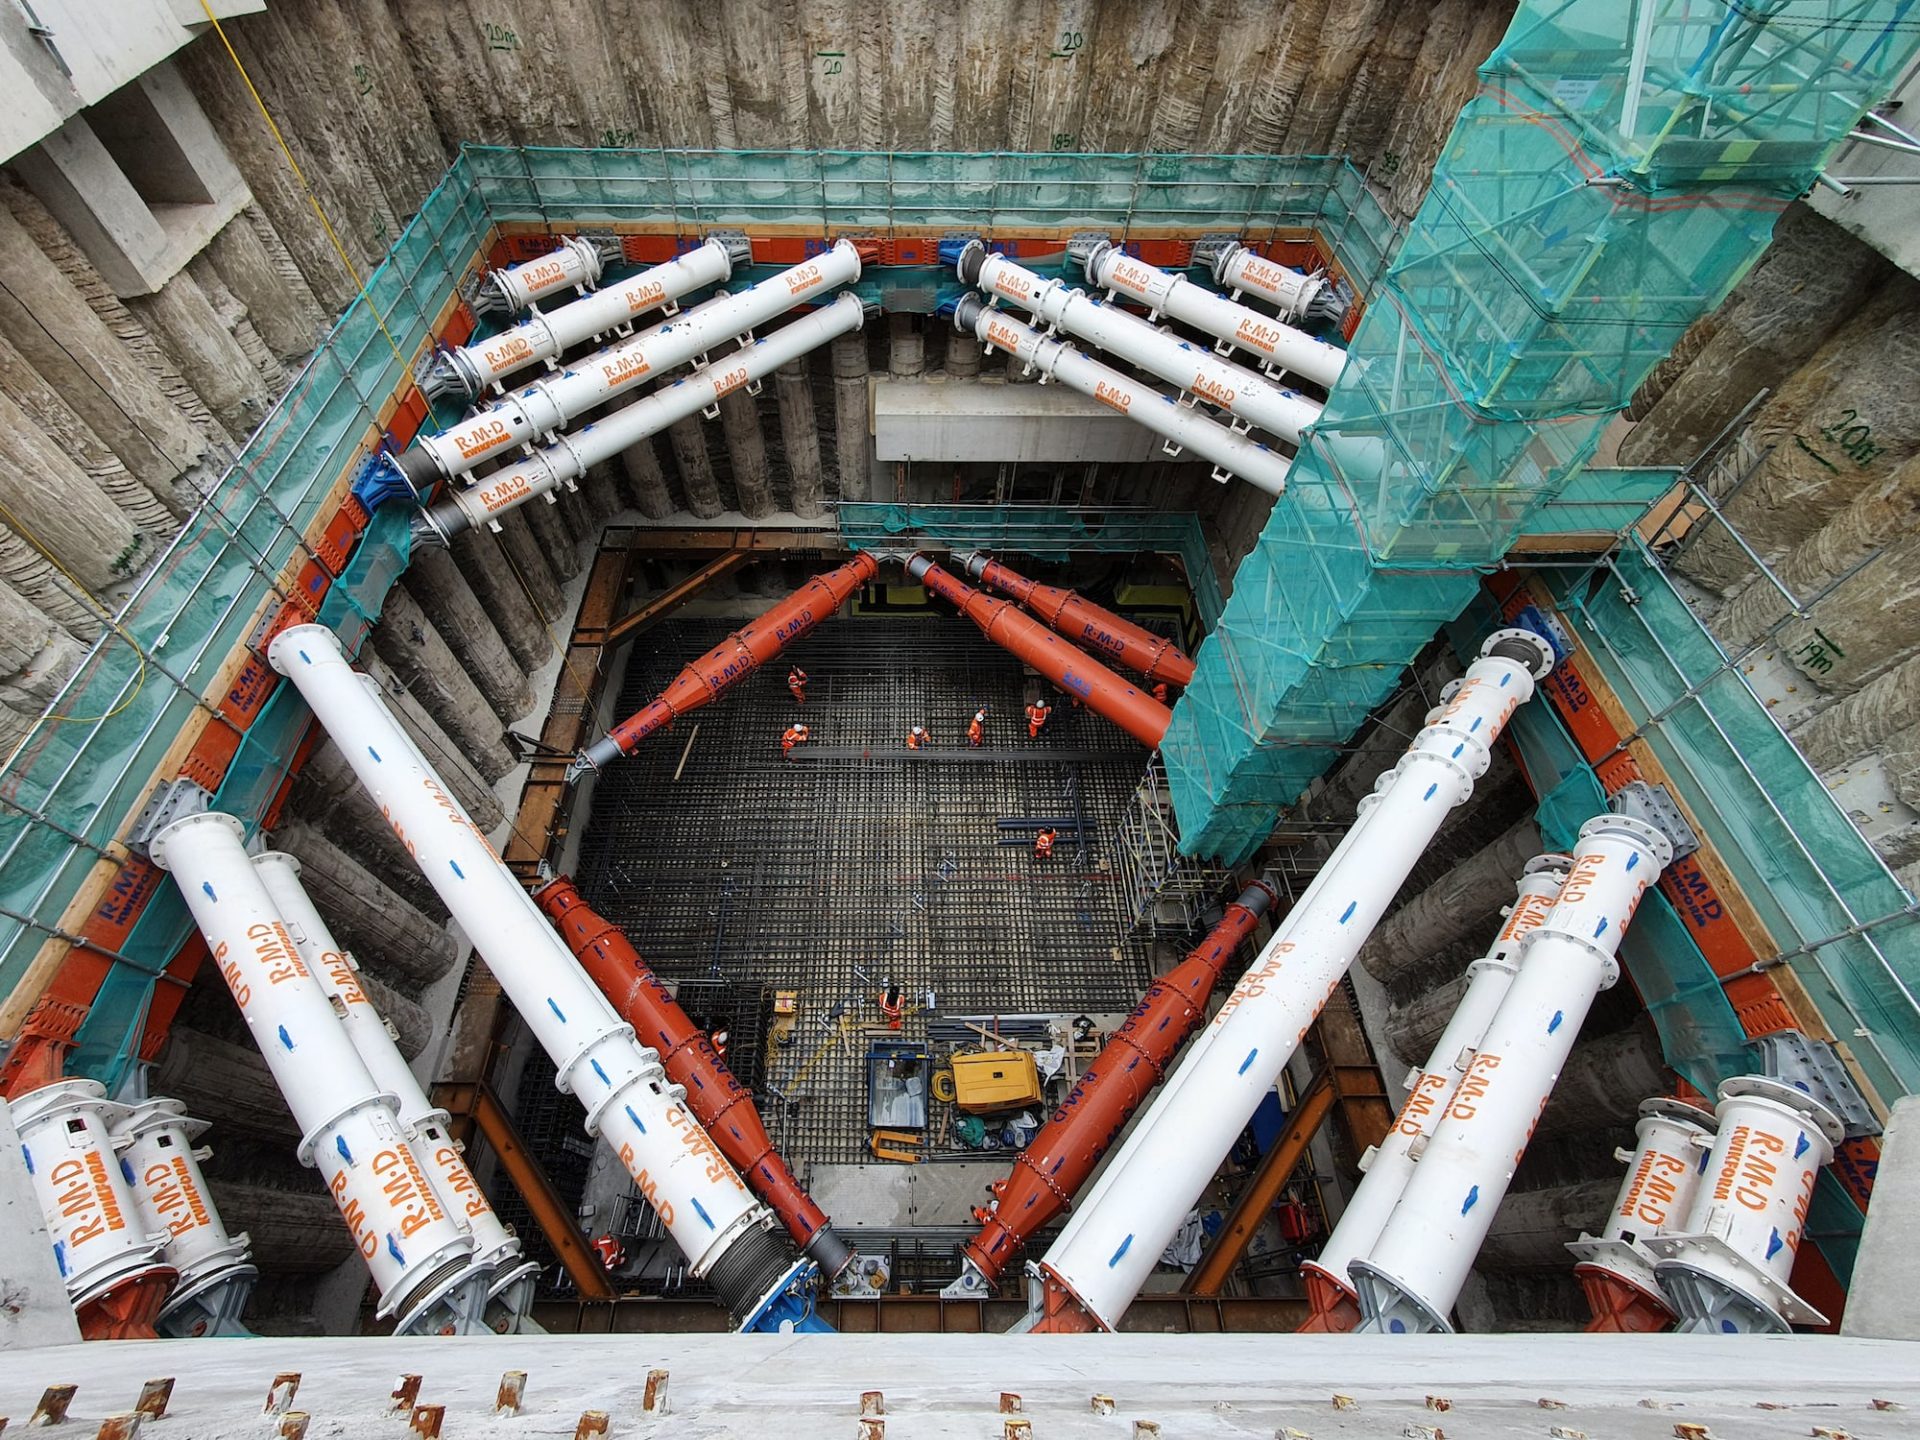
(1116,1235)
(1410,1279)
(350,1129)
(1274,408)
(1672,1139)
(574,266)
(570,455)
(629,1101)
(216,1272)
(489,362)
(1276,344)
(1725,1268)
(1391,1163)
(1230,452)
(101,1236)
(544,406)
(1287,290)
(496,1248)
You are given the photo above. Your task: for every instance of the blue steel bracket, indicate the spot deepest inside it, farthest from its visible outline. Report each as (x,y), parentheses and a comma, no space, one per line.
(380,479)
(789,1309)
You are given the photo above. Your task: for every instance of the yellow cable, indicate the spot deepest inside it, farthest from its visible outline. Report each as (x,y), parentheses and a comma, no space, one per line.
(140,679)
(312,199)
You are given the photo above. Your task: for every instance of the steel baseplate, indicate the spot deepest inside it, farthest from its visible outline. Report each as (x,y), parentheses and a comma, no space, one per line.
(171,800)
(1655,805)
(1815,1068)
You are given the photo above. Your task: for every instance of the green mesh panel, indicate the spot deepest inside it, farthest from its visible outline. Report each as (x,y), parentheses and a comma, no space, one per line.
(1617,173)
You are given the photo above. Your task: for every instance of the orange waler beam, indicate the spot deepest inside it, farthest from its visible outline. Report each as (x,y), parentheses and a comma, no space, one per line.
(1104,692)
(1067,613)
(733,659)
(718,1101)
(1050,1171)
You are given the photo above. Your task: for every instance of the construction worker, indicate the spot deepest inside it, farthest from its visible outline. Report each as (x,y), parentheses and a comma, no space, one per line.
(916,737)
(893,1005)
(796,735)
(612,1253)
(718,1039)
(1043,844)
(797,683)
(1161,693)
(977,728)
(1037,715)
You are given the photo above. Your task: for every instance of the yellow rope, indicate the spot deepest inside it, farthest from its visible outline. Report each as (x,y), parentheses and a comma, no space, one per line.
(312,199)
(140,679)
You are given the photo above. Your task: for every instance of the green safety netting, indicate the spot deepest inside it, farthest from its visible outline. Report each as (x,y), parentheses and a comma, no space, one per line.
(74,782)
(1808,872)
(1618,171)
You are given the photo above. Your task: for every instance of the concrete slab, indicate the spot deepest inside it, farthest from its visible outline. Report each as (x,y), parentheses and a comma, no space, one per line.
(1212,1387)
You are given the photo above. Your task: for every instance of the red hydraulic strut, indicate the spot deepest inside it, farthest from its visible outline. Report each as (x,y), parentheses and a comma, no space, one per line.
(1050,1171)
(733,659)
(1067,613)
(1138,714)
(718,1101)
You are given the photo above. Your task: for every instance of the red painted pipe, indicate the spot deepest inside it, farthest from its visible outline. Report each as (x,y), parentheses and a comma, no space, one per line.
(1068,613)
(1050,1171)
(718,1101)
(1139,714)
(733,659)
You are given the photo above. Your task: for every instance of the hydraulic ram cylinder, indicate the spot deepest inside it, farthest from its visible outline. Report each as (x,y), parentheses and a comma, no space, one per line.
(1725,1268)
(103,1241)
(509,1276)
(1663,1175)
(1287,290)
(1392,1163)
(1051,1170)
(550,403)
(1104,692)
(571,455)
(467,371)
(733,659)
(350,1130)
(576,265)
(1066,613)
(1195,369)
(1409,1280)
(1231,452)
(720,1102)
(216,1275)
(1278,345)
(1110,1246)
(724,1233)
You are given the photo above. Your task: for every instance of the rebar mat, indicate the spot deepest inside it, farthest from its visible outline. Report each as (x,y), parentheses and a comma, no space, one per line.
(859,862)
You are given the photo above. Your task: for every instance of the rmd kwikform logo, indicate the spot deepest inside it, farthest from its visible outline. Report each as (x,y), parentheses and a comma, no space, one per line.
(1259,335)
(1221,395)
(1112,395)
(625,369)
(477,440)
(645,297)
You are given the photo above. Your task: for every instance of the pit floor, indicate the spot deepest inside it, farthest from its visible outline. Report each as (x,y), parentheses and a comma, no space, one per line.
(738,874)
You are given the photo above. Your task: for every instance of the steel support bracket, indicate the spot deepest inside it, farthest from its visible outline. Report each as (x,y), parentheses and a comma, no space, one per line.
(1815,1067)
(171,800)
(1655,805)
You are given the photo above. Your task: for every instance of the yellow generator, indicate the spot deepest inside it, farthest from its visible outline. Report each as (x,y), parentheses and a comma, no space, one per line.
(995,1080)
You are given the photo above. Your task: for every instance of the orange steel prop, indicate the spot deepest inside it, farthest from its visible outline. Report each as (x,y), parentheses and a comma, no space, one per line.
(1068,613)
(1050,1171)
(1135,712)
(718,1101)
(734,658)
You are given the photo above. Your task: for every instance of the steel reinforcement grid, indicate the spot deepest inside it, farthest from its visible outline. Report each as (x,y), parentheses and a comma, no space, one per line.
(859,861)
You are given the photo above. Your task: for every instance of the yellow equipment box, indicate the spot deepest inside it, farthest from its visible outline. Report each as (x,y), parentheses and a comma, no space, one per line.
(995,1080)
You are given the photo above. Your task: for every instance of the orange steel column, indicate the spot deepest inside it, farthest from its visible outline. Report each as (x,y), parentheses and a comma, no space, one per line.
(718,1101)
(1140,715)
(1070,614)
(733,659)
(1050,1171)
